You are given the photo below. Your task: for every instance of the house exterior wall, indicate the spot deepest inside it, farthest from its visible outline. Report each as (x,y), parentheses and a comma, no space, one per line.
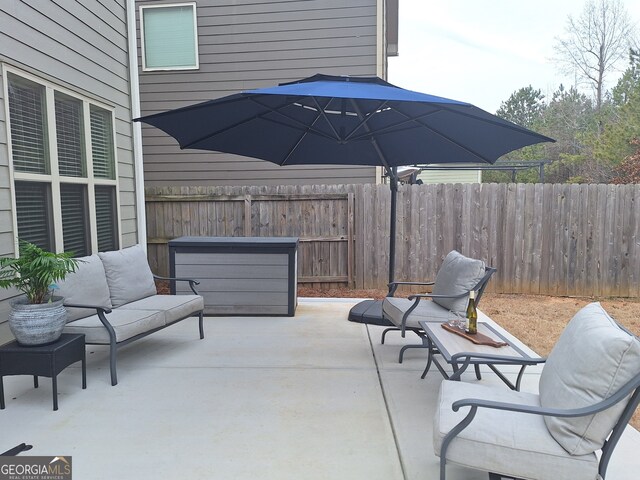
(450,176)
(252,44)
(80,48)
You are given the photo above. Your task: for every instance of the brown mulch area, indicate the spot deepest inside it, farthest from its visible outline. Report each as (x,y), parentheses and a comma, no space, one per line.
(537,320)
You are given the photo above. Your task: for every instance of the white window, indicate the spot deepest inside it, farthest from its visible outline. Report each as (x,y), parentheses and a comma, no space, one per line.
(169,36)
(63,167)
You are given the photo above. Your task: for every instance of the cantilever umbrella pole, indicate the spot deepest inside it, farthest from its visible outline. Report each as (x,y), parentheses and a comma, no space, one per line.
(393,184)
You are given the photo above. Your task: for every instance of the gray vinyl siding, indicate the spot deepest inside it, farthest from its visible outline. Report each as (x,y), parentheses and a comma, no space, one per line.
(81,46)
(249,44)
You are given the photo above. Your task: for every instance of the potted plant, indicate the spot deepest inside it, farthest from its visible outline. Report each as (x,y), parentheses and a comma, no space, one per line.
(39,317)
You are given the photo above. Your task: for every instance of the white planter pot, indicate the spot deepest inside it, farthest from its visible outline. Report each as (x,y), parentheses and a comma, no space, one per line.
(37,324)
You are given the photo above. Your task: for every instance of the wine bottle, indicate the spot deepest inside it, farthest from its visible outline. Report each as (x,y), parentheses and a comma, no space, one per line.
(472,314)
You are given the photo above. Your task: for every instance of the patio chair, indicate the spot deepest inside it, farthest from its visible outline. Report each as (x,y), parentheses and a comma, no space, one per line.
(457,276)
(588,391)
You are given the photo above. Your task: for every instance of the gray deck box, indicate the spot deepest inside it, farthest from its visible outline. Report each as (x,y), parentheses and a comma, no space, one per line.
(239,275)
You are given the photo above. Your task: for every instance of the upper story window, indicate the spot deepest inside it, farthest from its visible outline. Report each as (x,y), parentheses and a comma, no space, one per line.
(63,158)
(169,37)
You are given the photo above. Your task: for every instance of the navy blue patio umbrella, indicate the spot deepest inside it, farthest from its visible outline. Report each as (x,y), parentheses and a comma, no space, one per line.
(335,120)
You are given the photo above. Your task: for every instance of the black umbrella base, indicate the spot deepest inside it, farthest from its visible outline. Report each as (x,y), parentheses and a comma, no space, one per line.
(369,312)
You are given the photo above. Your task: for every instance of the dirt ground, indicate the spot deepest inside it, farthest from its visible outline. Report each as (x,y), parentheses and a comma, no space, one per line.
(537,320)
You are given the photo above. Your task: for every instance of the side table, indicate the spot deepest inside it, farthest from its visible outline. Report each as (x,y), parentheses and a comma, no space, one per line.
(46,360)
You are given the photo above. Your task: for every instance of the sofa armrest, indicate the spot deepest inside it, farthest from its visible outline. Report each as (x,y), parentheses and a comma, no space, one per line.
(192,282)
(98,308)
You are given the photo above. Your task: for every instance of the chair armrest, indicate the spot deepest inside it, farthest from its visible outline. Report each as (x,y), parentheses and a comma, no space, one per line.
(192,282)
(98,308)
(621,394)
(468,356)
(393,286)
(431,295)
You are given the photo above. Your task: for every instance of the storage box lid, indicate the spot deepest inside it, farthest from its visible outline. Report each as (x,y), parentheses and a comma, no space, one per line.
(265,242)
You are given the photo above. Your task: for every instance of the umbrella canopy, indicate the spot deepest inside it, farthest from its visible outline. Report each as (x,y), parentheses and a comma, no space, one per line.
(346,121)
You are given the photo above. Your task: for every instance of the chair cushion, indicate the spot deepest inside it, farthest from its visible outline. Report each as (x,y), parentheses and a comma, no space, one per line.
(592,359)
(394,308)
(175,307)
(458,274)
(505,442)
(86,286)
(128,275)
(126,324)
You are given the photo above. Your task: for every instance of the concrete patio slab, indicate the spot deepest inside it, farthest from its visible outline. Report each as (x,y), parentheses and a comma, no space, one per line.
(304,397)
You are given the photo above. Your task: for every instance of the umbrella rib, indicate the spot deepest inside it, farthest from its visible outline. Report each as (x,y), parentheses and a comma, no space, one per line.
(305,127)
(324,115)
(374,142)
(398,124)
(364,120)
(417,119)
(304,134)
(225,129)
(240,122)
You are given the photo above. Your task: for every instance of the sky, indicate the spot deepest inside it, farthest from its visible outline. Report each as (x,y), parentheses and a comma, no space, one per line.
(481,51)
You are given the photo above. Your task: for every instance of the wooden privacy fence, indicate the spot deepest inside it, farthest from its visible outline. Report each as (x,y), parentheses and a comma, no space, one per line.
(543,238)
(323,221)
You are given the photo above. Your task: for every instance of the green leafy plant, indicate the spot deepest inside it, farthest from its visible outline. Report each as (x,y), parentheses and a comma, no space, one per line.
(35,271)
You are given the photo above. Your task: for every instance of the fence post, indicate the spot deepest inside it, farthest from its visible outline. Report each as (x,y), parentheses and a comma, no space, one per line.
(247,216)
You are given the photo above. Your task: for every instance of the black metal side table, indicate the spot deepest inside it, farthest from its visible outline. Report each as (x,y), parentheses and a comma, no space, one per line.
(46,360)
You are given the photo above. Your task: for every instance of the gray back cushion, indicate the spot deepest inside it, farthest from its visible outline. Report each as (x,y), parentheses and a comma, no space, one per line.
(458,274)
(593,358)
(128,275)
(86,286)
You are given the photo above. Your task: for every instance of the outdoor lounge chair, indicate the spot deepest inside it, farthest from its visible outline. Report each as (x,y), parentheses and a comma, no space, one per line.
(457,276)
(588,391)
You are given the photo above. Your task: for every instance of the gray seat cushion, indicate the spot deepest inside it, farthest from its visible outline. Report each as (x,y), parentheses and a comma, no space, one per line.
(394,308)
(175,307)
(592,359)
(128,275)
(126,324)
(457,274)
(86,286)
(505,442)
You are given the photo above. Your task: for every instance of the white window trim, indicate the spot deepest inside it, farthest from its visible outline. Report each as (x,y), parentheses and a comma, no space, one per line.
(195,37)
(54,179)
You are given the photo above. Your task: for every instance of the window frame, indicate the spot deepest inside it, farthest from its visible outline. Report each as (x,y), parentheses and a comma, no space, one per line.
(53,178)
(146,68)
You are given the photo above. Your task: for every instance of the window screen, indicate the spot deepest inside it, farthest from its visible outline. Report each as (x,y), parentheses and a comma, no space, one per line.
(28,131)
(102,143)
(169,37)
(70,138)
(105,218)
(74,219)
(33,201)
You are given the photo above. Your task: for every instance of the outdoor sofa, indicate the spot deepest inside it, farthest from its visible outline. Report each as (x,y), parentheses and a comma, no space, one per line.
(112,299)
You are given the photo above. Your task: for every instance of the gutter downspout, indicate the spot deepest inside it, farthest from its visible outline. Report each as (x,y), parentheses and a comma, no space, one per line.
(134,88)
(381,70)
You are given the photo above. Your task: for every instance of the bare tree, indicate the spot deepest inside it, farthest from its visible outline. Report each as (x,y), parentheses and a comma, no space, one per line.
(595,42)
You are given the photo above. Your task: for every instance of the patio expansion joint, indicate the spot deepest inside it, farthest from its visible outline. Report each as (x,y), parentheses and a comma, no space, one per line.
(386,405)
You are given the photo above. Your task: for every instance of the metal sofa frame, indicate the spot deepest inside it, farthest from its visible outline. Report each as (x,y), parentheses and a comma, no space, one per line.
(114,344)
